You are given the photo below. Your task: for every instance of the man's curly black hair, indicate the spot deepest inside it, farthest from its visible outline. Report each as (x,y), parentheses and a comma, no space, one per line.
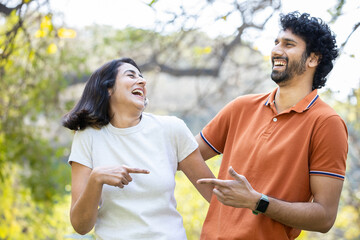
(319,39)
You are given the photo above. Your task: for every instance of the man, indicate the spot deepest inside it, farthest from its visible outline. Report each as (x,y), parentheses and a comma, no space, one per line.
(284,152)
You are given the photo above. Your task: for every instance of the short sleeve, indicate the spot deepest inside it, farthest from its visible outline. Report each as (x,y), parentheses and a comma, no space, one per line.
(329,148)
(81,148)
(216,131)
(185,142)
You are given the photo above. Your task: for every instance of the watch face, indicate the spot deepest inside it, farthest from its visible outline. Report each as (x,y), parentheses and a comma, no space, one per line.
(263,204)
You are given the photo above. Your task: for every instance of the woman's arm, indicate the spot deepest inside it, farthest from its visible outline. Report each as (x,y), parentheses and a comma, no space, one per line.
(86,191)
(85,197)
(195,168)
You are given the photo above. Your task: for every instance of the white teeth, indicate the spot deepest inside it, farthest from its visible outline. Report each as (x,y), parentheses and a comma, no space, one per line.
(139,92)
(279,63)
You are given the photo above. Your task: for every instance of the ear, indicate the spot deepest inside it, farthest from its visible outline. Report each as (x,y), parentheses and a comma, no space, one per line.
(110,91)
(314,59)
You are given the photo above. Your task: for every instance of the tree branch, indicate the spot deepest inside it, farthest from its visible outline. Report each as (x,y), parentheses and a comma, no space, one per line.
(6,10)
(356,26)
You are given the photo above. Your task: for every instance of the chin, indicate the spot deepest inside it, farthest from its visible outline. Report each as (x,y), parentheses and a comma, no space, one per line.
(141,107)
(279,77)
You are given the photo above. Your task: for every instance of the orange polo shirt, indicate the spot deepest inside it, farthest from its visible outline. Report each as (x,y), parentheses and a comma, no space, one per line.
(277,153)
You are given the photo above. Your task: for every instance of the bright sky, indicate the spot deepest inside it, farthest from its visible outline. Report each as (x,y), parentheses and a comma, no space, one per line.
(123,13)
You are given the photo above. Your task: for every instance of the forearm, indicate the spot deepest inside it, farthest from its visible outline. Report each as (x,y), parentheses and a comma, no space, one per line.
(205,192)
(84,211)
(310,216)
(195,168)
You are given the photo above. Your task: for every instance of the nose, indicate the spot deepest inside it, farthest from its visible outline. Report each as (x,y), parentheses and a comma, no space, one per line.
(141,81)
(277,51)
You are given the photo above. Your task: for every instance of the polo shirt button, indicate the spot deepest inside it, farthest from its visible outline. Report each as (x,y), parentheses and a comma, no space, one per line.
(275,119)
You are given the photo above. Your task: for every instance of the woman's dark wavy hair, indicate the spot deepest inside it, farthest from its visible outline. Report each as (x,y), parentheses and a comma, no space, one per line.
(93,107)
(319,39)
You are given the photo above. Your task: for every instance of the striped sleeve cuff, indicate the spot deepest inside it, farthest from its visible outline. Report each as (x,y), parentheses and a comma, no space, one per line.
(328,174)
(208,143)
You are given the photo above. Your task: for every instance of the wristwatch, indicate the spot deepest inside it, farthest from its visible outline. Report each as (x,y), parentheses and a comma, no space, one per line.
(261,205)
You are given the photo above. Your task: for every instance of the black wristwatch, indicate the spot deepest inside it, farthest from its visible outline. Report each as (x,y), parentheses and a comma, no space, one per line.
(261,205)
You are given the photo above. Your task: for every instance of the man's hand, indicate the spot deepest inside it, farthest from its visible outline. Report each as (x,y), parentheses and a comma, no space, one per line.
(236,193)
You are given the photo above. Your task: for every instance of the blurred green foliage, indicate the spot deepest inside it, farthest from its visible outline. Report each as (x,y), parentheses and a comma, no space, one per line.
(33,174)
(22,217)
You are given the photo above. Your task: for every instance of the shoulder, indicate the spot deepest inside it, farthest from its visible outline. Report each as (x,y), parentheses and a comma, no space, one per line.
(325,108)
(252,99)
(323,112)
(87,133)
(326,119)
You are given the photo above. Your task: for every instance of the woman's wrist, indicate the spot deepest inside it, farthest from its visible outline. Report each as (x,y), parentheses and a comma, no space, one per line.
(95,178)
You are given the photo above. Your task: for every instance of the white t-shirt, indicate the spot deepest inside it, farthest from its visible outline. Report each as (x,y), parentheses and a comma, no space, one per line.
(146,208)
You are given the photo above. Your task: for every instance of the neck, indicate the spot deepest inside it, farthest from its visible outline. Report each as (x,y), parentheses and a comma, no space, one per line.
(292,92)
(125,121)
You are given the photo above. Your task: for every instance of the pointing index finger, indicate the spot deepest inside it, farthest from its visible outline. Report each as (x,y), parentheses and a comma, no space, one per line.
(136,170)
(214,181)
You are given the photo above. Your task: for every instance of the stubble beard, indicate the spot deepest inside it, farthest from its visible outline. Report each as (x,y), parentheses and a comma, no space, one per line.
(292,69)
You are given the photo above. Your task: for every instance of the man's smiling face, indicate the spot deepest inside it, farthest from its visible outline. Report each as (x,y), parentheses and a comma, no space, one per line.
(288,57)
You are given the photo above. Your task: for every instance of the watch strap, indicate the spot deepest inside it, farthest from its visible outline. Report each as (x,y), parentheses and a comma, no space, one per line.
(261,205)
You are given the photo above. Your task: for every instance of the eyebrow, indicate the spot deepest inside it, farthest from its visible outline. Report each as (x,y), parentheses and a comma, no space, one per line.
(286,40)
(133,72)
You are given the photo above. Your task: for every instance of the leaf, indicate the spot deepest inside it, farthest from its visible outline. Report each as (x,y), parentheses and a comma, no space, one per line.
(152,3)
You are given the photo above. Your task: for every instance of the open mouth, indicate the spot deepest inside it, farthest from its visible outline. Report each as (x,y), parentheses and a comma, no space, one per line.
(138,92)
(279,63)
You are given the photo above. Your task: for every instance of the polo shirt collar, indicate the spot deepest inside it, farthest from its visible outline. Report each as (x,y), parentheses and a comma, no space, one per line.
(305,104)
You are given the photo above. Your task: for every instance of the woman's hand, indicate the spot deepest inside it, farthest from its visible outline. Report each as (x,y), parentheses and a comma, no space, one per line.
(117,176)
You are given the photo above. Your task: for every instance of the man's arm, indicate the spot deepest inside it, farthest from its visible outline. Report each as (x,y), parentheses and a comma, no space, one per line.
(205,150)
(318,215)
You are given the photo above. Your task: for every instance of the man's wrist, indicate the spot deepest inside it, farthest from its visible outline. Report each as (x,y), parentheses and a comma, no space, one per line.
(261,205)
(255,201)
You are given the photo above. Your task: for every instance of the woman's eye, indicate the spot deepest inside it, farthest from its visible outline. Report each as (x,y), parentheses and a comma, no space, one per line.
(131,75)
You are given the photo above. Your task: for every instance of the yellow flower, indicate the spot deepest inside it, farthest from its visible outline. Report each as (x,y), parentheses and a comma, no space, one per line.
(52,48)
(40,34)
(202,51)
(207,50)
(66,33)
(46,23)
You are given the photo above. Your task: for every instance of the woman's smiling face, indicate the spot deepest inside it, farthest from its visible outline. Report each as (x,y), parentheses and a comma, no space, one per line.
(129,90)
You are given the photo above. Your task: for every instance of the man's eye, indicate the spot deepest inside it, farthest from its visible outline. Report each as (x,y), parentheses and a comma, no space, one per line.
(131,75)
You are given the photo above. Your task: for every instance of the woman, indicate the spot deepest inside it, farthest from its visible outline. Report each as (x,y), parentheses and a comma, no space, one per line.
(123,160)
